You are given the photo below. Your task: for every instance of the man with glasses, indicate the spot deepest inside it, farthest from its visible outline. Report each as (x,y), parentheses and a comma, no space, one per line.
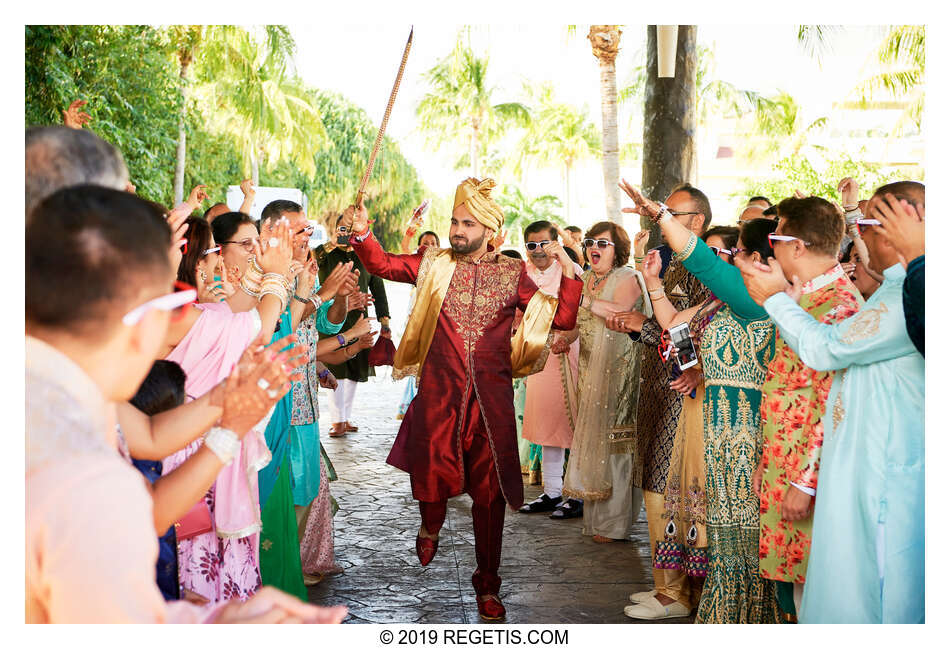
(805,243)
(550,402)
(867,550)
(660,406)
(86,349)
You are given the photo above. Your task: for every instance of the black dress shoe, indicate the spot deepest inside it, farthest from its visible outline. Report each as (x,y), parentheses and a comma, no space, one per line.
(570,508)
(544,503)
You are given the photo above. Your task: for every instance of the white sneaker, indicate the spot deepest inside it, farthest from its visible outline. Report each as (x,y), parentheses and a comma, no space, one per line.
(651,609)
(642,596)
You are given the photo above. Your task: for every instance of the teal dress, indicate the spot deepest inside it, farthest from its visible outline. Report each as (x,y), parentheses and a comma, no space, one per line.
(304,430)
(279,545)
(867,552)
(736,348)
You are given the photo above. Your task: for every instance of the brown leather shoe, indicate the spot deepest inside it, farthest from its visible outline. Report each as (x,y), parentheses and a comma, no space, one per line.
(338,430)
(350,428)
(490,608)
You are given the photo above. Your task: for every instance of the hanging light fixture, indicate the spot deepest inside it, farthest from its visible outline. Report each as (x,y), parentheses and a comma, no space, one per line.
(666,50)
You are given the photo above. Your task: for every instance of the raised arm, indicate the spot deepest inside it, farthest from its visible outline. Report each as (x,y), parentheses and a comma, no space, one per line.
(396,268)
(248,190)
(664,313)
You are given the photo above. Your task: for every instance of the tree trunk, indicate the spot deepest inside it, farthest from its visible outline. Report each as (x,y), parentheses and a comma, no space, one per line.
(567,190)
(473,151)
(255,166)
(180,151)
(611,151)
(669,123)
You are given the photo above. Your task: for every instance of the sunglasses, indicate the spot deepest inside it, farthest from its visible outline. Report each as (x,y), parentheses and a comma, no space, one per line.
(181,296)
(600,243)
(721,251)
(308,229)
(864,224)
(247,244)
(532,245)
(210,250)
(784,237)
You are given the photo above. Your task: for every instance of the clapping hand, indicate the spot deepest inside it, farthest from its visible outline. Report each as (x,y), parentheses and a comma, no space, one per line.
(499,239)
(244,399)
(274,249)
(272,606)
(640,242)
(762,282)
(73,117)
(338,279)
(358,301)
(652,265)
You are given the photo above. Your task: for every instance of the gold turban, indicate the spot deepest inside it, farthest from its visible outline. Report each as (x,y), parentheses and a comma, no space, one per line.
(475,195)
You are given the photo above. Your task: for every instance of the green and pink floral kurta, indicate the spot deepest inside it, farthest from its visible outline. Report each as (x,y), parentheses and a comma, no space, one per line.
(793,402)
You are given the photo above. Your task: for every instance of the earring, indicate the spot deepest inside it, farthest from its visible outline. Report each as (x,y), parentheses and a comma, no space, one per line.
(203,275)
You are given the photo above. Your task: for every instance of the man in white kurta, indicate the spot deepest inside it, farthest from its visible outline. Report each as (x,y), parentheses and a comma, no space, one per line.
(550,401)
(867,556)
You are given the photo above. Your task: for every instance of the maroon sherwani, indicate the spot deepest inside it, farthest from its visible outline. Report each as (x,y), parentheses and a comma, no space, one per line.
(459,433)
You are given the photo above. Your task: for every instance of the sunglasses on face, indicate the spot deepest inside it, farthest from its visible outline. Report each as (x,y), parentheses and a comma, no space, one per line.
(600,243)
(308,229)
(721,251)
(247,244)
(864,224)
(784,237)
(532,245)
(181,296)
(210,250)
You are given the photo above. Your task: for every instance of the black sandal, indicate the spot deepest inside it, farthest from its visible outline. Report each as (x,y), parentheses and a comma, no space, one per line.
(544,503)
(570,508)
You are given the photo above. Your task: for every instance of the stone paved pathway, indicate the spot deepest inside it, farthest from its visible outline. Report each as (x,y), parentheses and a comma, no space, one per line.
(550,572)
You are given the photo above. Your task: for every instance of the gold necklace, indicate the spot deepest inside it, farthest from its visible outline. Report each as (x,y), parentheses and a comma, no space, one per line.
(596,281)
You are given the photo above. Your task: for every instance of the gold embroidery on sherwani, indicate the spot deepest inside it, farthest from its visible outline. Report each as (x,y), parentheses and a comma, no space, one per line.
(865,325)
(477,294)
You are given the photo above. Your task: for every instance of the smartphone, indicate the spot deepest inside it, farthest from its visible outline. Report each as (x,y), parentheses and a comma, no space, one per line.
(683,346)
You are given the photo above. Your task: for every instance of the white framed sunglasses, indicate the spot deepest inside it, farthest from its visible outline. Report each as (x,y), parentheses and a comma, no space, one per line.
(721,251)
(531,245)
(210,250)
(183,295)
(784,237)
(864,224)
(600,243)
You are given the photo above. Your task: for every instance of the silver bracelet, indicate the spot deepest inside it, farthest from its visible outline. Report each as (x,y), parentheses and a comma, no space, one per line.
(224,443)
(316,300)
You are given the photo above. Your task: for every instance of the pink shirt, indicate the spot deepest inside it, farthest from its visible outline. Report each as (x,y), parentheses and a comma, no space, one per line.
(90,540)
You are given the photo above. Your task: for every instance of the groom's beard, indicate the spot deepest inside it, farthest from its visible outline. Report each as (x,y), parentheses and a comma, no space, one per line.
(462,246)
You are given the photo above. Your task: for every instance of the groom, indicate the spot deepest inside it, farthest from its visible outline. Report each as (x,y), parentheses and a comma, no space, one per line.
(459,432)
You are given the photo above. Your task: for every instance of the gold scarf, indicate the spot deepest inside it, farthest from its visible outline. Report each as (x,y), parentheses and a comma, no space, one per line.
(529,346)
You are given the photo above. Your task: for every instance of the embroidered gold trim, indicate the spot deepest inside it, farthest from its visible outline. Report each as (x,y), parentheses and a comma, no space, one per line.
(866,324)
(688,250)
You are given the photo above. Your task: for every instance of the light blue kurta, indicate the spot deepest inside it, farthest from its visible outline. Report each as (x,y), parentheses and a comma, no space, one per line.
(867,556)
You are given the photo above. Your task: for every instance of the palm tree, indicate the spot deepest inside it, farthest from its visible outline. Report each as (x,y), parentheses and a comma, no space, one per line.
(898,69)
(605,43)
(459,108)
(185,40)
(559,135)
(522,210)
(248,90)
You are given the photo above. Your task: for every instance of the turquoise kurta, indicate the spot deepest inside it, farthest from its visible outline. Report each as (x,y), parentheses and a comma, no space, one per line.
(736,348)
(867,557)
(304,431)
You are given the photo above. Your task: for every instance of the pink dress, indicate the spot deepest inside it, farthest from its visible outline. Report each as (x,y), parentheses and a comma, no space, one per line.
(547,417)
(224,564)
